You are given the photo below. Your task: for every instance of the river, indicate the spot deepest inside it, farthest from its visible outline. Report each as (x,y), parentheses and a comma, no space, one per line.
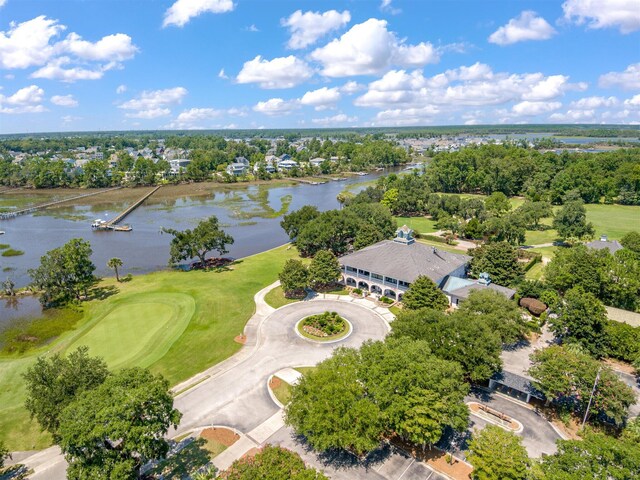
(250,214)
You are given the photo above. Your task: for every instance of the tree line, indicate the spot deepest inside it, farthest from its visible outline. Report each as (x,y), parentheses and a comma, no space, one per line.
(610,176)
(208,155)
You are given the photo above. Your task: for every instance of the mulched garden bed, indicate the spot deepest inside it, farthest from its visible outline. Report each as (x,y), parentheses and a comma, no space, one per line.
(211,263)
(327,324)
(224,436)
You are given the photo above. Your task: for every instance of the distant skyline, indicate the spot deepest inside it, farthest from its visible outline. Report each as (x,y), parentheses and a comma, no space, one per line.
(78,65)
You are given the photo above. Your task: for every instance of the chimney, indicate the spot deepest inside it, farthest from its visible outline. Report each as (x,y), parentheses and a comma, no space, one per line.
(603,238)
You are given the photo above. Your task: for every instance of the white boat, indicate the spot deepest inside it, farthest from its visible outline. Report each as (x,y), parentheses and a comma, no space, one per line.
(1,232)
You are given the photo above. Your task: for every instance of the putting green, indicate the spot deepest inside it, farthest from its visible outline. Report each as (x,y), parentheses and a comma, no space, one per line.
(139,330)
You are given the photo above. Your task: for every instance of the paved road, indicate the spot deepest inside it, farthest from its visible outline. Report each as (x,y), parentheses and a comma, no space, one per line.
(238,397)
(387,464)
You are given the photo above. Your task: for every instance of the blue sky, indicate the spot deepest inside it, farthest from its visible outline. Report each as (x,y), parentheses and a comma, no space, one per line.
(69,65)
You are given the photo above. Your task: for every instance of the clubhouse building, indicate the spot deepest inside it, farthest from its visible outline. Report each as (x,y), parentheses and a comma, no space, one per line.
(388,268)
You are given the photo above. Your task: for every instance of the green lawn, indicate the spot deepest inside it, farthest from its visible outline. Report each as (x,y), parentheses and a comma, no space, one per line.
(276,298)
(538,237)
(441,246)
(282,392)
(336,290)
(176,323)
(548,252)
(305,370)
(614,220)
(535,272)
(419,224)
(140,328)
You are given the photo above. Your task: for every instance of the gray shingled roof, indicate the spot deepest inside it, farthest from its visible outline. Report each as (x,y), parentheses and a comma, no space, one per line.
(405,262)
(612,246)
(517,382)
(464,292)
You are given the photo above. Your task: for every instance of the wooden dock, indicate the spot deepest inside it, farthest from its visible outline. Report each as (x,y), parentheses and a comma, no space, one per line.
(112,224)
(9,215)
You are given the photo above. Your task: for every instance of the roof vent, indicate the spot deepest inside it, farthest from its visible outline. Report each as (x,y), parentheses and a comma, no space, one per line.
(484,279)
(603,238)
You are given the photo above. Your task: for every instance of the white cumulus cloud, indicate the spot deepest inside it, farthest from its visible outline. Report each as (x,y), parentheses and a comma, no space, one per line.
(627,80)
(633,101)
(121,89)
(621,14)
(276,106)
(369,48)
(64,101)
(193,118)
(322,98)
(111,48)
(184,10)
(526,26)
(306,28)
(33,44)
(574,116)
(27,44)
(340,118)
(595,102)
(26,100)
(154,103)
(56,70)
(352,87)
(528,108)
(281,72)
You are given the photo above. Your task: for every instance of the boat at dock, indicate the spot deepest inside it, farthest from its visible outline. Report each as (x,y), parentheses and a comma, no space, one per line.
(112,224)
(104,225)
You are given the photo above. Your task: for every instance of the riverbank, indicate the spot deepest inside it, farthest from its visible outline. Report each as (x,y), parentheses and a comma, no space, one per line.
(175,323)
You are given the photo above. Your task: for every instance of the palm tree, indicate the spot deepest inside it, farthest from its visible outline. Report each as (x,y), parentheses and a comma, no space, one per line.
(114,263)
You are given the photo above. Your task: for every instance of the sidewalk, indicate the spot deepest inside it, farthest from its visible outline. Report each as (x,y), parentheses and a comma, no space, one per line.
(263,310)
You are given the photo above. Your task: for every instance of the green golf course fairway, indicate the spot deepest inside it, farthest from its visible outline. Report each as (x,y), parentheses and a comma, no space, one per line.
(139,330)
(175,323)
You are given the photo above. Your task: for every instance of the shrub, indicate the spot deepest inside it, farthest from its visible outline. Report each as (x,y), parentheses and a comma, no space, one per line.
(529,265)
(11,252)
(357,291)
(536,307)
(433,238)
(387,300)
(623,341)
(324,325)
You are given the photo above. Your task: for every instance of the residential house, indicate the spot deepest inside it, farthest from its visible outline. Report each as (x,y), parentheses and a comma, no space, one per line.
(604,242)
(269,163)
(178,166)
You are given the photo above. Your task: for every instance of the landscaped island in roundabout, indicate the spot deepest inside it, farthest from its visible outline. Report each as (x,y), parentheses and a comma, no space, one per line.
(324,327)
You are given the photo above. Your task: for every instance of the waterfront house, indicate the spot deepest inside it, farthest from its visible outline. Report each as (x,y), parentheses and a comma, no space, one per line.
(237,169)
(316,162)
(178,166)
(287,164)
(268,163)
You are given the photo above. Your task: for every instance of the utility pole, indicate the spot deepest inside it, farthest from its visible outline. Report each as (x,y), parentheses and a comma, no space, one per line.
(593,391)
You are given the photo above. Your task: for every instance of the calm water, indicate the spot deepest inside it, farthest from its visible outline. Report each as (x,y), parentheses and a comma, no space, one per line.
(567,140)
(146,249)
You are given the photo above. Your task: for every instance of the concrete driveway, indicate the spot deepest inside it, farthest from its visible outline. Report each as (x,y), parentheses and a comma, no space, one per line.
(238,397)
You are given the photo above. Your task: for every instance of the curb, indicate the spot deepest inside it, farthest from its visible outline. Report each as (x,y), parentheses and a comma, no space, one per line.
(271,394)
